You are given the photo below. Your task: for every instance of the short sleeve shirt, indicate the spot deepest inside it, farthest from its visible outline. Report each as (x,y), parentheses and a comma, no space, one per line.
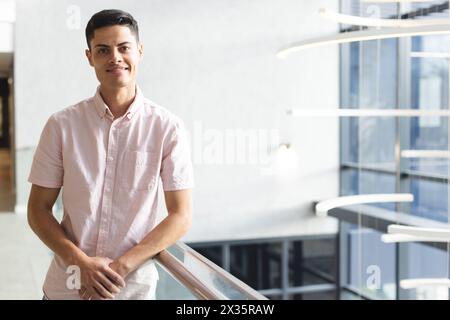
(109,170)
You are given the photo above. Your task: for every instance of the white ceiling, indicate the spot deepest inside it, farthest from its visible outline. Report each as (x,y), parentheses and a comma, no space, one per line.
(7,11)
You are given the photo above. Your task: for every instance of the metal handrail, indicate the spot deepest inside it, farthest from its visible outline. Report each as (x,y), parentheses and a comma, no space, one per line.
(230,279)
(187,278)
(194,284)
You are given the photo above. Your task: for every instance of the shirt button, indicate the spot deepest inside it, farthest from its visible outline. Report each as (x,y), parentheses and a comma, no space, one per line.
(108,189)
(110,158)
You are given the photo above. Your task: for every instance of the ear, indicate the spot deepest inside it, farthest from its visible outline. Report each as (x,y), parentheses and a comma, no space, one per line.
(141,51)
(89,56)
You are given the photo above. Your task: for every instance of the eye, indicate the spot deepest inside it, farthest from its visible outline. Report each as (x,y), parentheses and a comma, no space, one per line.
(125,49)
(102,51)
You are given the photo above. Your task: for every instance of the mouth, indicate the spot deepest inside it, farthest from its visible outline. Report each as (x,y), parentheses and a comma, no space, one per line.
(117,69)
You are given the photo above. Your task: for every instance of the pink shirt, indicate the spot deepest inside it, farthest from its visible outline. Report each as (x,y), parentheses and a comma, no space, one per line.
(110,170)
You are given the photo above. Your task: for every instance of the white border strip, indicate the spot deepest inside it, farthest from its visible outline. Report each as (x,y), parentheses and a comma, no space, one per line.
(371,22)
(364,35)
(323,207)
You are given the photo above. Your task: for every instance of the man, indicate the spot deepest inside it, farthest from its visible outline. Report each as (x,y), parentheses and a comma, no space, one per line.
(108,153)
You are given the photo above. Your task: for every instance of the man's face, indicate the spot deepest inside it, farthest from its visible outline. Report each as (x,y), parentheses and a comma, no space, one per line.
(115,55)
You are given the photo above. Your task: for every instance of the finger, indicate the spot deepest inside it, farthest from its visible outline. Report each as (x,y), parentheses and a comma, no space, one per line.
(98,296)
(106,282)
(102,291)
(114,277)
(83,292)
(85,295)
(93,294)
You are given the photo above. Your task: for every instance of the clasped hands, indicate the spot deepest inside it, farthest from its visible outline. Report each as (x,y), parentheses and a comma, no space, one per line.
(101,278)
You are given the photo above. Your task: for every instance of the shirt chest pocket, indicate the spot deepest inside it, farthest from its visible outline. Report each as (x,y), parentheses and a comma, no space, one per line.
(139,170)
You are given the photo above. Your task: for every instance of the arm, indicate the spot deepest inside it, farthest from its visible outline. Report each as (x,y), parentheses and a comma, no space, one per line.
(46,227)
(166,233)
(95,272)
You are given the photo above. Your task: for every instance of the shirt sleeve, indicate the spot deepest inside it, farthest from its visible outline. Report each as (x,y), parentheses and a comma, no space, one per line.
(176,167)
(47,167)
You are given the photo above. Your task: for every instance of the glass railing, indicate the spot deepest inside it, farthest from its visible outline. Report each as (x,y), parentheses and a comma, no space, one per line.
(186,274)
(170,288)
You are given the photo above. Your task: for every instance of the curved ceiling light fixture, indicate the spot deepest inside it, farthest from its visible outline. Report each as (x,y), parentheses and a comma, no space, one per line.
(424,282)
(364,35)
(372,22)
(323,207)
(419,231)
(400,233)
(346,112)
(395,238)
(425,154)
(394,1)
(428,54)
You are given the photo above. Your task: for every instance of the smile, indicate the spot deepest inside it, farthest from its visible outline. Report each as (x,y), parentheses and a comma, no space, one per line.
(116,69)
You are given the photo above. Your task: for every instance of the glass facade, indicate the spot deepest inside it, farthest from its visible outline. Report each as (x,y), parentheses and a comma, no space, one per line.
(404,73)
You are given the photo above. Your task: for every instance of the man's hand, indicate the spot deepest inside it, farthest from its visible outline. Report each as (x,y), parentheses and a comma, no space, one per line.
(98,280)
(166,233)
(120,267)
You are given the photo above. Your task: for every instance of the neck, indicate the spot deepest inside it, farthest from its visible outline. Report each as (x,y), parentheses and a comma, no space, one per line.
(118,99)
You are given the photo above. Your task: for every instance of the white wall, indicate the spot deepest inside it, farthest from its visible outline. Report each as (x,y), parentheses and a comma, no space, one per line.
(213,63)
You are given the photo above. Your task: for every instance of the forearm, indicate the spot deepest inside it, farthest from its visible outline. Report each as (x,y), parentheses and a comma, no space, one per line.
(166,233)
(52,234)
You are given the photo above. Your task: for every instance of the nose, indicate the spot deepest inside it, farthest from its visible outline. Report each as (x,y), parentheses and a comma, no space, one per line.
(116,56)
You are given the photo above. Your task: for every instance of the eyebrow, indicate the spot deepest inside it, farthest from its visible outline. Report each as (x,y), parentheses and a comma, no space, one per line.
(106,46)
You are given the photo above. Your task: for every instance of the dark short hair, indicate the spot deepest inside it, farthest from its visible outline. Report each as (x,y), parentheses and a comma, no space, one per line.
(111,17)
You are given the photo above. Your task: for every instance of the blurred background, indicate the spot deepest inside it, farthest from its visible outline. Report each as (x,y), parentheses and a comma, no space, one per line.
(259,169)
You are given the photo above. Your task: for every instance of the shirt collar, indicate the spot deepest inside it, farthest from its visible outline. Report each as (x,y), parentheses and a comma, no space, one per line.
(103,109)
